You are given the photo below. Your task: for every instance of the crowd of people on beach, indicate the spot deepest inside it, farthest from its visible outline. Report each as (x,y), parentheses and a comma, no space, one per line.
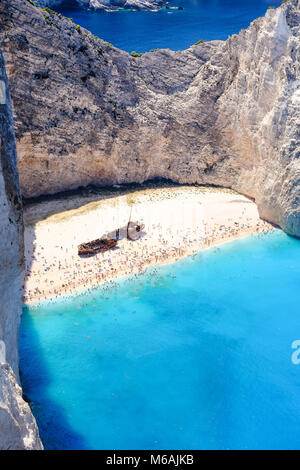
(67,273)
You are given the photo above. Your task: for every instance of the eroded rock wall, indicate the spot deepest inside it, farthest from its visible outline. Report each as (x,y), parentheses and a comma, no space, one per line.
(223,113)
(18,428)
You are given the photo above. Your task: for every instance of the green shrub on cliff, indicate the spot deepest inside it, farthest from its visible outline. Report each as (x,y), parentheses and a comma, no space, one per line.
(136,54)
(49,22)
(48,10)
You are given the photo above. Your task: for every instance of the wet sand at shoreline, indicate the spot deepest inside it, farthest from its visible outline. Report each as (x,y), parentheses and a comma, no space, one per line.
(179,221)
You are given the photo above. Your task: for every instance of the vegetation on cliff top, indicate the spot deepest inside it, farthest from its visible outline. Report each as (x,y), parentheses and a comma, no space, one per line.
(136,54)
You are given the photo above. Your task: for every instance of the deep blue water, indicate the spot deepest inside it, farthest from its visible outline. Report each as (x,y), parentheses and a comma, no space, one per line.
(197,361)
(144,30)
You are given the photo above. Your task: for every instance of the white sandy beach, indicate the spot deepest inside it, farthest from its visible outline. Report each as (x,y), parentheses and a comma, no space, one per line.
(179,221)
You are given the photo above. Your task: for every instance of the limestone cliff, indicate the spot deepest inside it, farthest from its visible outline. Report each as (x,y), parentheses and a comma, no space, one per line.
(106,4)
(223,113)
(18,428)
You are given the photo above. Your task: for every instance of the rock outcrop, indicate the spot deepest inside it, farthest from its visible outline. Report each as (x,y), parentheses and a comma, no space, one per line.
(222,113)
(18,428)
(108,5)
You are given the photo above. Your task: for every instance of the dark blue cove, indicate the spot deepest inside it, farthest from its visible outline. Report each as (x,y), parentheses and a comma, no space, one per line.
(175,29)
(194,355)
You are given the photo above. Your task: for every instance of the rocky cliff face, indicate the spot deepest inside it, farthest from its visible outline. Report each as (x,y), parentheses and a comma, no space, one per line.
(18,429)
(223,113)
(106,4)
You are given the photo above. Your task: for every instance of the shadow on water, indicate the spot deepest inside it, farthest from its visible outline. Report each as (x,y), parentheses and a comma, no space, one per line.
(55,429)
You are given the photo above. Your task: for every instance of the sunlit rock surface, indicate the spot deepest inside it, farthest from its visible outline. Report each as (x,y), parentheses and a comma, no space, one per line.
(18,429)
(223,113)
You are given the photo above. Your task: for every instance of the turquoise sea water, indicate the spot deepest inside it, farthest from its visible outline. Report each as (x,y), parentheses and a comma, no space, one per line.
(174,29)
(194,355)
